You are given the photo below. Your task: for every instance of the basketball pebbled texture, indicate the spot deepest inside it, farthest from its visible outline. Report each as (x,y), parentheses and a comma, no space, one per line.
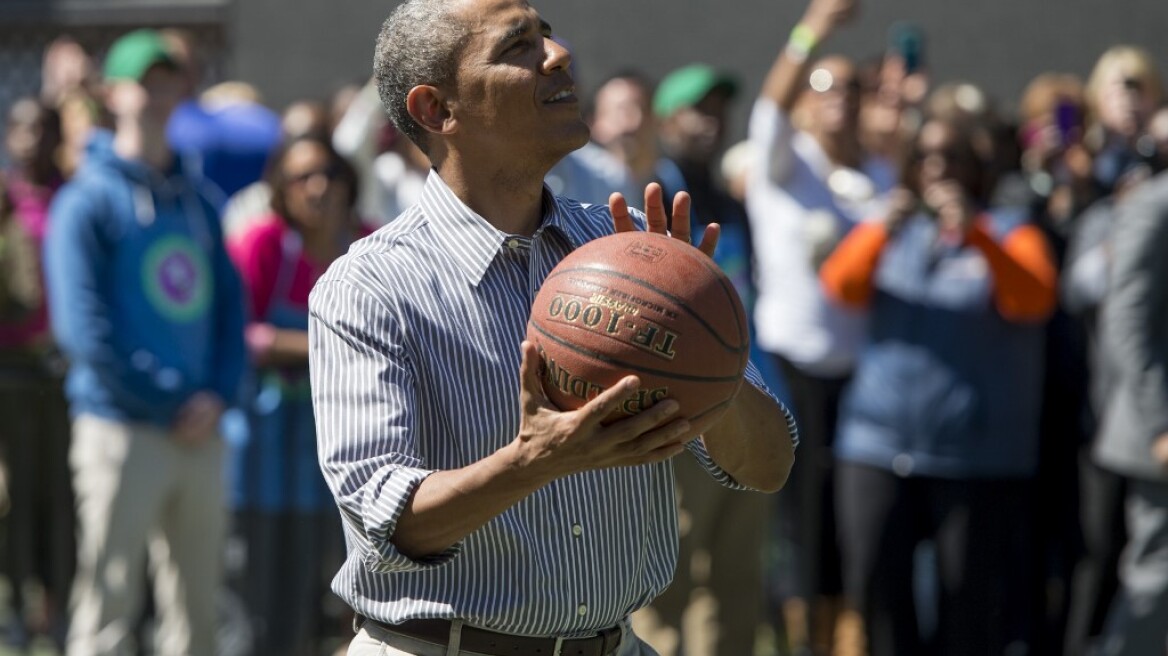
(645,304)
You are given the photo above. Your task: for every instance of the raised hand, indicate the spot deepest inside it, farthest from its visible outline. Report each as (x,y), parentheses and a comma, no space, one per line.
(823,16)
(658,221)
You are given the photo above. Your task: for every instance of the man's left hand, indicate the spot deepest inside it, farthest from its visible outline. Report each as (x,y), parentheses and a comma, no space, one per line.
(658,221)
(198,418)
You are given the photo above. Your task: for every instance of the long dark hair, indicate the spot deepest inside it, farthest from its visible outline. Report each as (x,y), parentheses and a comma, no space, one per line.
(970,141)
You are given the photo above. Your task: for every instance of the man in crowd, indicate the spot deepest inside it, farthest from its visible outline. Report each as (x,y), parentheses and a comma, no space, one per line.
(1133,439)
(479,518)
(813,183)
(148,309)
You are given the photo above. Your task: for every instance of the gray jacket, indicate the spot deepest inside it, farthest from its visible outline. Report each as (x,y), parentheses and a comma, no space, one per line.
(1134,332)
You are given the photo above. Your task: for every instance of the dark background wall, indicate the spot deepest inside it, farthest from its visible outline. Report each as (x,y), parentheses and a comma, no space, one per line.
(308,48)
(293,47)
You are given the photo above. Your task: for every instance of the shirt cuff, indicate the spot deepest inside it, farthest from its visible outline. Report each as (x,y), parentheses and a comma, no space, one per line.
(382,508)
(698,447)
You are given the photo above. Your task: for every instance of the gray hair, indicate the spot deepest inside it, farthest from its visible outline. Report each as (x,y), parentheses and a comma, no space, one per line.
(419,44)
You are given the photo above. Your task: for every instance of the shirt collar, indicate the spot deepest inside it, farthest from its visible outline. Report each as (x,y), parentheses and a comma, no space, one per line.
(472,240)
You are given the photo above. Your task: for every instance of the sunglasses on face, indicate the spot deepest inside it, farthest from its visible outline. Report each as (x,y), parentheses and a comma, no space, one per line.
(331,172)
(1133,84)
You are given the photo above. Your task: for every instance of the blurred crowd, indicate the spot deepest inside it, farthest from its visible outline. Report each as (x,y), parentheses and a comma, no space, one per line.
(963,300)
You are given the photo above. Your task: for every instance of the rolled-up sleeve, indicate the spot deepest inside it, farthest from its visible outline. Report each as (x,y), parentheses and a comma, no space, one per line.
(771,132)
(363,394)
(697,448)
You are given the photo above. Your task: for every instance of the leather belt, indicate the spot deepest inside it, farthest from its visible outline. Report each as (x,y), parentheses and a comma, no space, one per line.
(482,641)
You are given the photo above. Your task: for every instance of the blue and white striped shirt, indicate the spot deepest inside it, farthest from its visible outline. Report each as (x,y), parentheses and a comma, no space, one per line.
(415,356)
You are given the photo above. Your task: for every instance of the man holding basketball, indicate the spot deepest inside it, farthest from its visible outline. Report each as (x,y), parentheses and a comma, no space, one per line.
(479,518)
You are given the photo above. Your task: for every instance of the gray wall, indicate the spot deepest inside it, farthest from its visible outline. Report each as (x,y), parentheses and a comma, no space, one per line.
(292,48)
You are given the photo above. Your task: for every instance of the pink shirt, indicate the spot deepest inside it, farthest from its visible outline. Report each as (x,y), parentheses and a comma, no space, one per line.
(31,206)
(259,254)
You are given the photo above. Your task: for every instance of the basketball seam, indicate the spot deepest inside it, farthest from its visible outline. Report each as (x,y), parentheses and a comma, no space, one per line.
(626,365)
(677,301)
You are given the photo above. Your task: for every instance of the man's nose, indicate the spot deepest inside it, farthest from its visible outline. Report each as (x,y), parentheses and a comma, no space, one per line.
(556,56)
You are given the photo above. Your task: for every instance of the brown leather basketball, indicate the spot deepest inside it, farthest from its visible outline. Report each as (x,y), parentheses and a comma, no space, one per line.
(645,304)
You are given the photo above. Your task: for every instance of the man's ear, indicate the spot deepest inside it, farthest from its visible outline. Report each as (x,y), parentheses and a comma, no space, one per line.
(427,105)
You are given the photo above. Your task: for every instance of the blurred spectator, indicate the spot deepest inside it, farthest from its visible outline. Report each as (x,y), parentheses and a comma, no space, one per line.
(340,101)
(147,307)
(284,513)
(1133,440)
(38,518)
(1055,183)
(1054,159)
(894,84)
(225,134)
(392,169)
(253,203)
(69,85)
(623,122)
(65,68)
(1123,92)
(814,183)
(1086,281)
(720,555)
(938,429)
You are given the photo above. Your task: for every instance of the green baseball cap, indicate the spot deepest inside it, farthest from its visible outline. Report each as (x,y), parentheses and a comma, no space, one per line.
(687,86)
(134,53)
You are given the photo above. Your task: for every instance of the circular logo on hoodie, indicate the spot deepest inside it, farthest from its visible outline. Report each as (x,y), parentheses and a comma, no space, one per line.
(177,278)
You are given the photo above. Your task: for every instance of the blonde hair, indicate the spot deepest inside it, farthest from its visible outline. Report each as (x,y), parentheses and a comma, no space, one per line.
(1136,61)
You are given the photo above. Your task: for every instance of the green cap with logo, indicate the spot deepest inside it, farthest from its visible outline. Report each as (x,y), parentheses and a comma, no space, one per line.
(134,53)
(686,86)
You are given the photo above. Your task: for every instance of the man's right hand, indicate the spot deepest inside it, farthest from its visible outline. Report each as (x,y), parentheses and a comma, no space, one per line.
(554,443)
(824,16)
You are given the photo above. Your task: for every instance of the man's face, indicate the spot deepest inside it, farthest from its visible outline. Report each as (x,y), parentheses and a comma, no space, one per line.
(834,97)
(151,100)
(1125,101)
(695,133)
(623,119)
(514,94)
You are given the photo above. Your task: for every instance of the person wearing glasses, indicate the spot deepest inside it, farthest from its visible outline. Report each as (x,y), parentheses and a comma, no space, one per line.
(938,429)
(814,183)
(283,509)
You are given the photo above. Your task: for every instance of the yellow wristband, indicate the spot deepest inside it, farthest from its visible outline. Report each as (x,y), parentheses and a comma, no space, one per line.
(801,42)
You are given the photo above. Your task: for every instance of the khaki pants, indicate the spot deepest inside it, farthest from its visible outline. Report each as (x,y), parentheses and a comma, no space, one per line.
(714,605)
(140,494)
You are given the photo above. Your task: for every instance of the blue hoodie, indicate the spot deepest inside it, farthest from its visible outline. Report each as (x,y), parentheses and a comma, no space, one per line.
(143,298)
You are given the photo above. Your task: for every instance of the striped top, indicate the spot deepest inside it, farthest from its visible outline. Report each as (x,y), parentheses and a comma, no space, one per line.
(414,357)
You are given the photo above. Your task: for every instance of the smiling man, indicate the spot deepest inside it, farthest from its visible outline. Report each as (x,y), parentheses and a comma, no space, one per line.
(479,518)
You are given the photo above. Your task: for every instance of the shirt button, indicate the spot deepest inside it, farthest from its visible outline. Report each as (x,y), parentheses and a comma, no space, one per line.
(512,243)
(577,530)
(582,610)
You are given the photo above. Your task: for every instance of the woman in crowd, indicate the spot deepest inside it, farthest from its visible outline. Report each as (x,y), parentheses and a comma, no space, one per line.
(34,441)
(938,430)
(286,518)
(1123,93)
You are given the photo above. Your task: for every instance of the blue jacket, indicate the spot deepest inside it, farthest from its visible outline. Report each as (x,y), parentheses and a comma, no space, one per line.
(945,386)
(144,300)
